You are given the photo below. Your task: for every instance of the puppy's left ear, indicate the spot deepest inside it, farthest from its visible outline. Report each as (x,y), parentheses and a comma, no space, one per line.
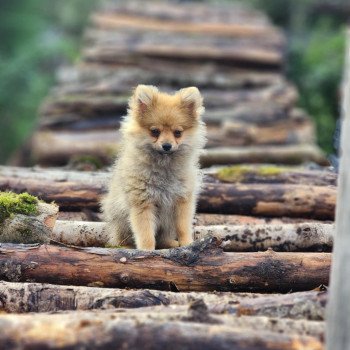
(192,101)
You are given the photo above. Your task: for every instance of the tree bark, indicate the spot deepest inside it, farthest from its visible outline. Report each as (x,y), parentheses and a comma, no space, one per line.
(203,266)
(157,330)
(242,238)
(83,190)
(21,228)
(314,202)
(291,155)
(37,297)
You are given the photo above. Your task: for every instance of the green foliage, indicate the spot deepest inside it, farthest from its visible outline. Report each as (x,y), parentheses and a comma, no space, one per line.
(11,203)
(35,37)
(316,42)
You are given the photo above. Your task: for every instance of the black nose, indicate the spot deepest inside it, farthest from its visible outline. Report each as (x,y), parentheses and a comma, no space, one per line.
(166,147)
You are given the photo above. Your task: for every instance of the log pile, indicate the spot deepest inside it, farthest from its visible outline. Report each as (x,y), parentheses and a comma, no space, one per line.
(232,53)
(265,219)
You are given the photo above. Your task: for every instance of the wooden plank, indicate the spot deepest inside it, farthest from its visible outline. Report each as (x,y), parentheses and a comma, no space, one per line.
(338,322)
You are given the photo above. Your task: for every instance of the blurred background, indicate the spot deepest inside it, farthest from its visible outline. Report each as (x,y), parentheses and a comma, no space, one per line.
(38,36)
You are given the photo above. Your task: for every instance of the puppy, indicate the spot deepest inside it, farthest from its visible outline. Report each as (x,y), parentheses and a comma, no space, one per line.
(156,179)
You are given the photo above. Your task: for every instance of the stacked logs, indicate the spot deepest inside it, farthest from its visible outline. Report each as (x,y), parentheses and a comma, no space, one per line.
(233,54)
(258,229)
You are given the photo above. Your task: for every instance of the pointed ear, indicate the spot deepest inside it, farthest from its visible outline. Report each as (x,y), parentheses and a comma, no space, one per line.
(192,101)
(142,99)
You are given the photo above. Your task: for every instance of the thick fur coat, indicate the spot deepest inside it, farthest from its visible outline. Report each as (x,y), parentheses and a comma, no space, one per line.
(156,179)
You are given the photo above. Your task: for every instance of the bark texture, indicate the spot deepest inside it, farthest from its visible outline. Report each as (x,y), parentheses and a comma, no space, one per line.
(202,266)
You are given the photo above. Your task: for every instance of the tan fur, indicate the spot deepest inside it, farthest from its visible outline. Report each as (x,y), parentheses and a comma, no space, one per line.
(152,195)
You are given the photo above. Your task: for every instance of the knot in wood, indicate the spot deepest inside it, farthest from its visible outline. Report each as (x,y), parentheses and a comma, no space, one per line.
(124,278)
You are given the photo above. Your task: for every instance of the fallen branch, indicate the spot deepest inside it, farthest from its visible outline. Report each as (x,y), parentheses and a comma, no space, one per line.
(202,266)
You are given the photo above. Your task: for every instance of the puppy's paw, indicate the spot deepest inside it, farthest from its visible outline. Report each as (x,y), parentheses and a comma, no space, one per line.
(185,241)
(169,243)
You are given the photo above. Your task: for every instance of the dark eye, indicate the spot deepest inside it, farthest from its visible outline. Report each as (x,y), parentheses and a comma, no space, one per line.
(177,133)
(155,132)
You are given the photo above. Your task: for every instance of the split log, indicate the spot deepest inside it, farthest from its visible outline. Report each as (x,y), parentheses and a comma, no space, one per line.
(286,237)
(249,174)
(37,297)
(77,190)
(202,266)
(29,228)
(264,154)
(147,330)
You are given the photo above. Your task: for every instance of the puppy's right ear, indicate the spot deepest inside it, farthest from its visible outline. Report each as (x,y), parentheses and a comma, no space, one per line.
(143,98)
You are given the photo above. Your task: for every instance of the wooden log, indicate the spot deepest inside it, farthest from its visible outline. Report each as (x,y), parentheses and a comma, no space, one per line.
(66,145)
(27,220)
(105,100)
(219,219)
(288,132)
(97,78)
(84,190)
(103,144)
(293,155)
(314,202)
(114,47)
(106,329)
(117,22)
(37,297)
(286,237)
(251,173)
(192,12)
(203,266)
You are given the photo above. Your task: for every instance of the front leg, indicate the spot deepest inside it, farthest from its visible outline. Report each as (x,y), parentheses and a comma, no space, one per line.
(143,225)
(184,215)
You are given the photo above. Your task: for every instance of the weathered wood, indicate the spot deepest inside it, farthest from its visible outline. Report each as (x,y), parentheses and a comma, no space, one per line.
(263,154)
(219,219)
(338,323)
(203,266)
(157,330)
(20,228)
(266,200)
(109,46)
(83,190)
(108,100)
(287,132)
(117,22)
(286,237)
(37,297)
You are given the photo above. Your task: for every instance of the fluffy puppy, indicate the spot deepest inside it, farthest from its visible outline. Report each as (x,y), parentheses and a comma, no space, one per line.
(156,179)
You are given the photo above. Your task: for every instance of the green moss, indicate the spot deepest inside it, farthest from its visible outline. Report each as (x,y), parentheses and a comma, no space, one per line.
(11,203)
(113,246)
(237,173)
(88,161)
